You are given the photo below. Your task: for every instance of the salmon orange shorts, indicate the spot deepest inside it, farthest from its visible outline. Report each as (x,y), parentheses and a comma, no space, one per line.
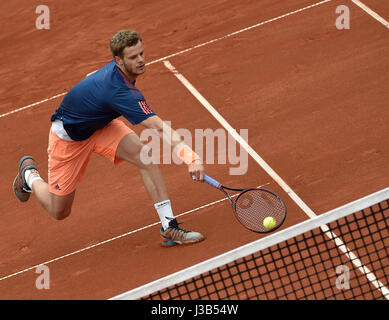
(68,159)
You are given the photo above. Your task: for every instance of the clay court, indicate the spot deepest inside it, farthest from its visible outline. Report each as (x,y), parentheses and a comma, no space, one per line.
(313,98)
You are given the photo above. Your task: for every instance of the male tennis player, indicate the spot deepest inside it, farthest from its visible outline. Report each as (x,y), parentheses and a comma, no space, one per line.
(86,122)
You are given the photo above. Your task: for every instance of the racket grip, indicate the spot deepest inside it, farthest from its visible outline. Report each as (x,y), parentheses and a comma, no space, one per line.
(211,182)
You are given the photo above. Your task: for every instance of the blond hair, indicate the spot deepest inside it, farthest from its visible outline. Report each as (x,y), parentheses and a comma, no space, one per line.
(122,39)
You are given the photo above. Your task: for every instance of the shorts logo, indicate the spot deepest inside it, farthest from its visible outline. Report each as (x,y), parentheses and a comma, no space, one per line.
(145,108)
(57,187)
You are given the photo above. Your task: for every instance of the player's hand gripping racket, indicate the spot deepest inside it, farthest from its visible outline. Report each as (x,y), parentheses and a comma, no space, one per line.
(257,209)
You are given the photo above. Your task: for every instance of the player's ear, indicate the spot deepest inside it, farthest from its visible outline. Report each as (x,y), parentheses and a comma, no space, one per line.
(119,61)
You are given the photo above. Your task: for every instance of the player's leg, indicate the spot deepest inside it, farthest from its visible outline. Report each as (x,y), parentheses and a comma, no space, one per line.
(127,147)
(59,207)
(29,181)
(130,149)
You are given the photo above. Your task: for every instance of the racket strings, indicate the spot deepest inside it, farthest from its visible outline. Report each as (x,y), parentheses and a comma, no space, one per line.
(253,206)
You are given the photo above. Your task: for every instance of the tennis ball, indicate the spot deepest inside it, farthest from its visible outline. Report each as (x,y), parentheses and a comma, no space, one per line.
(269,223)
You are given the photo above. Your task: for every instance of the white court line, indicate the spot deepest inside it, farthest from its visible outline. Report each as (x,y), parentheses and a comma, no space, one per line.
(120,236)
(185,51)
(355,260)
(331,235)
(371,12)
(240,140)
(32,105)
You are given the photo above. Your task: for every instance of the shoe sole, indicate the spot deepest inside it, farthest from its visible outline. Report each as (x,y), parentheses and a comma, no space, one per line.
(23,196)
(171,243)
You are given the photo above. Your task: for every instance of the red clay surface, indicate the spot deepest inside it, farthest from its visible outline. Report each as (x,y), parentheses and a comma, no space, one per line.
(313,98)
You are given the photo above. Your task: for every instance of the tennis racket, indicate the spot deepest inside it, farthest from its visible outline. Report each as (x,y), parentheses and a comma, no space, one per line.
(253,205)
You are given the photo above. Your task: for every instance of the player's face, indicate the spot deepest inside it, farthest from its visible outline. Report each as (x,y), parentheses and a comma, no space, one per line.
(133,61)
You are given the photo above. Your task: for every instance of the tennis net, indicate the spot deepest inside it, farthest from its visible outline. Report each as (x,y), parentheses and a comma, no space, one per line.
(341,254)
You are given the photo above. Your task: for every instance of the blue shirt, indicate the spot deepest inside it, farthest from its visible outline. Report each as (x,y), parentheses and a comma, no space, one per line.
(98,99)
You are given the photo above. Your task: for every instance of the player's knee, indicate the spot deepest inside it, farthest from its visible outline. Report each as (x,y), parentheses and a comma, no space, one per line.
(142,157)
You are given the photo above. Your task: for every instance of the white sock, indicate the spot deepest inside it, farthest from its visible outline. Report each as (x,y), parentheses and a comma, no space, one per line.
(31,177)
(165,211)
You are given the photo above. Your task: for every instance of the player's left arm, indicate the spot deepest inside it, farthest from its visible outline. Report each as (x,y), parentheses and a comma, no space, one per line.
(183,151)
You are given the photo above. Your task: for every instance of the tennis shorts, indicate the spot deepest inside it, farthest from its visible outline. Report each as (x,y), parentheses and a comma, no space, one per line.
(68,159)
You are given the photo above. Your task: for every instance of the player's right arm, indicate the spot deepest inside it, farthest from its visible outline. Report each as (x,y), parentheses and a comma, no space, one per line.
(195,165)
(131,104)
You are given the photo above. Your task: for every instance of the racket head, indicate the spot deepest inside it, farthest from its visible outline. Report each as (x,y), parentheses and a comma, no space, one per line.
(253,205)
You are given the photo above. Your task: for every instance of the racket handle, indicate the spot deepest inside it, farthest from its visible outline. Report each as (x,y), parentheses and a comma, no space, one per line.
(212,182)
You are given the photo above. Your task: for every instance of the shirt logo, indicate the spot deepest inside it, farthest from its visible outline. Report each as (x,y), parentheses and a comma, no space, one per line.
(145,108)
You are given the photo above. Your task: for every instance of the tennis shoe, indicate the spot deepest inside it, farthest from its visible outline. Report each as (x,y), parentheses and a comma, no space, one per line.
(21,189)
(174,235)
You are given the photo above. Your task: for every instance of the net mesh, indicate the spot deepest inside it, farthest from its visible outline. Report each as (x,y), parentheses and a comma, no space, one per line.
(345,259)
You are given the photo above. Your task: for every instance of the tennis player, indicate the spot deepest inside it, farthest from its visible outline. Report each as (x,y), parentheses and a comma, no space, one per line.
(86,122)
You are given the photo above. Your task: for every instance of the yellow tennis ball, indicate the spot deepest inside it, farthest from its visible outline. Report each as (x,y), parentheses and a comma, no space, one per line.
(269,223)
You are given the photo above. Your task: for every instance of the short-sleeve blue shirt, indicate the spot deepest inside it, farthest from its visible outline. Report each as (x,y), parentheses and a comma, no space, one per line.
(98,99)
